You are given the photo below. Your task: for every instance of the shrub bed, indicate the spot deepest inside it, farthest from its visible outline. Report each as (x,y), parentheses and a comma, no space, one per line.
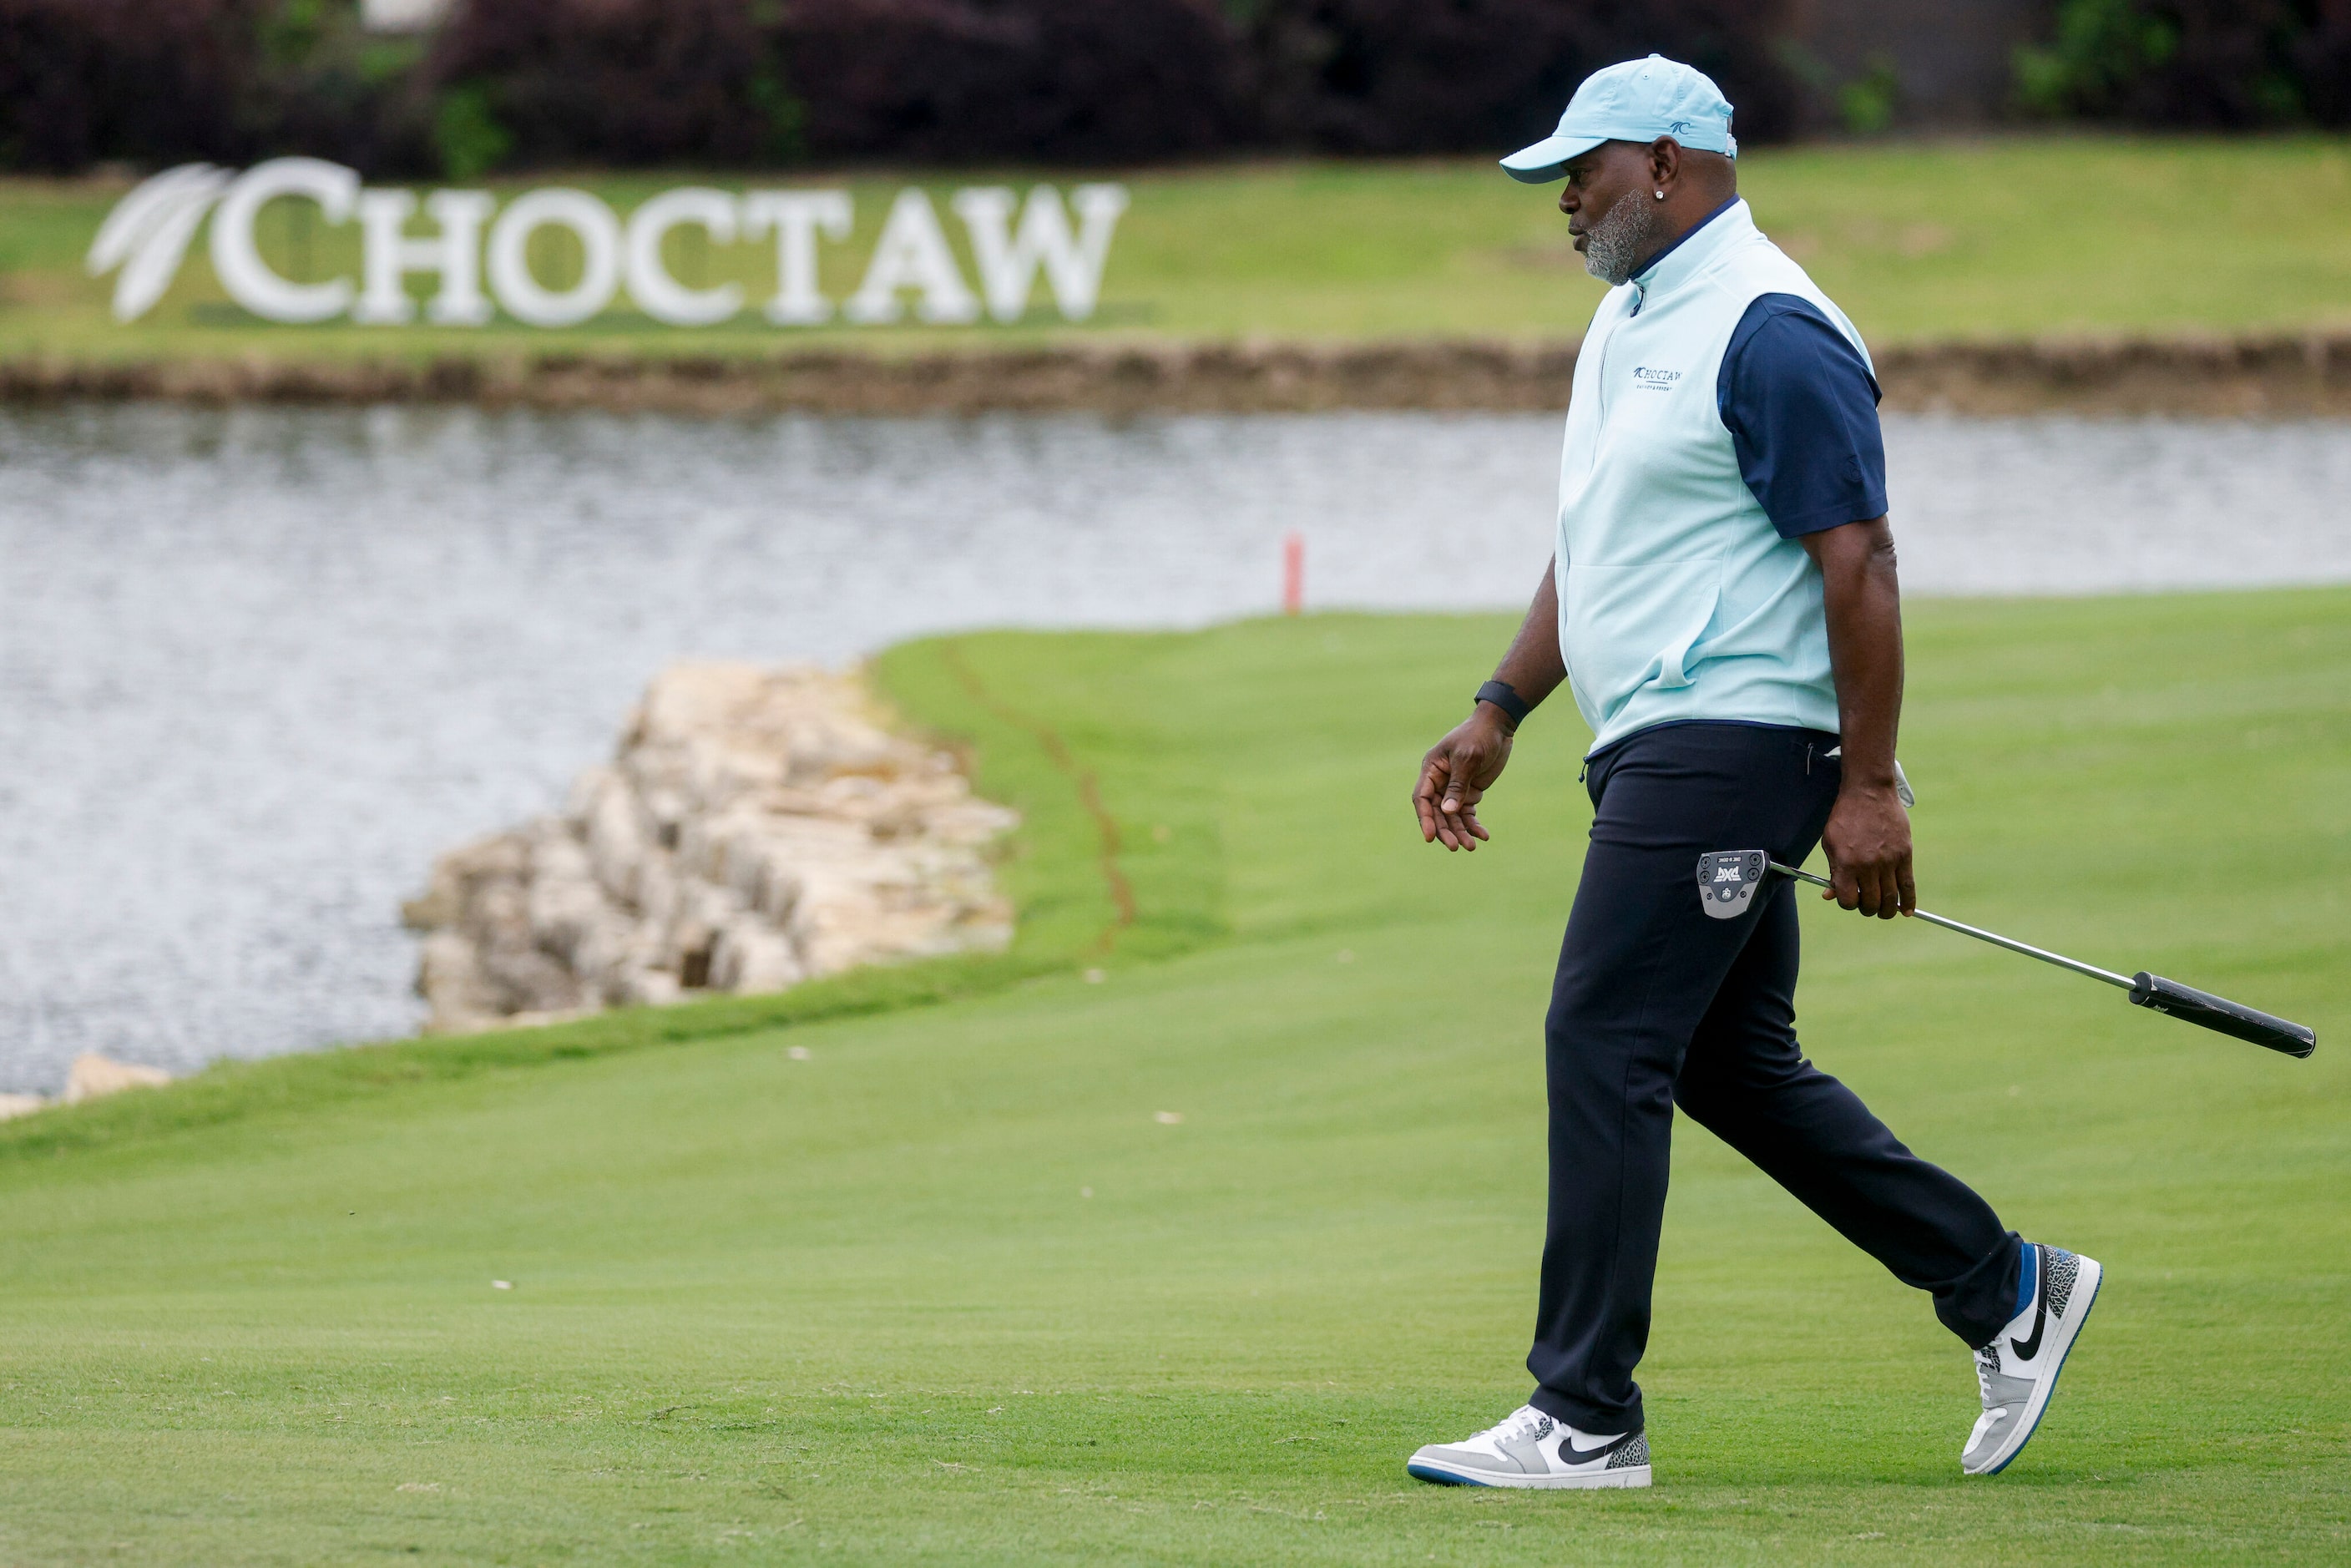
(736,83)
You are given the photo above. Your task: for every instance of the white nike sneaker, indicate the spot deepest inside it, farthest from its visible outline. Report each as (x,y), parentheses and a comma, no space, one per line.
(2018,1370)
(1532,1450)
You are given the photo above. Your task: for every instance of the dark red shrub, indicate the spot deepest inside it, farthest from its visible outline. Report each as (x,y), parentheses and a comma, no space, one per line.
(918,80)
(2323,59)
(1049,80)
(163,81)
(1424,76)
(939,81)
(619,81)
(155,81)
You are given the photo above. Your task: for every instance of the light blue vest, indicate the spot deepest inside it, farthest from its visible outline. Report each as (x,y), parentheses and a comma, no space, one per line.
(1677,599)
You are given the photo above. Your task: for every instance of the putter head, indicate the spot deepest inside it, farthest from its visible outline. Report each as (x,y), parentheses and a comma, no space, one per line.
(1726,881)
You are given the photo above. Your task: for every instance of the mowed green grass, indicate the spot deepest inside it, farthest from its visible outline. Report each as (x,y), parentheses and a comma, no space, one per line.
(2007,238)
(943,1284)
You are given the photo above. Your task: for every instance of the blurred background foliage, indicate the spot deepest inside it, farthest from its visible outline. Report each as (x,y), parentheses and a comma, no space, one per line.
(520,84)
(2201,64)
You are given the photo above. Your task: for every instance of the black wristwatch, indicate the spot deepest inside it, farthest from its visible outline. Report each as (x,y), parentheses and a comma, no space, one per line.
(1501,695)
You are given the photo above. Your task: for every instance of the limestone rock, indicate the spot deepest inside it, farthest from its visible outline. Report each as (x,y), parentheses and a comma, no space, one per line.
(15,1106)
(757,827)
(93,1075)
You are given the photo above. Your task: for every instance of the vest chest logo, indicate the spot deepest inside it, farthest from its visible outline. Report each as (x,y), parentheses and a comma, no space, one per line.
(1648,377)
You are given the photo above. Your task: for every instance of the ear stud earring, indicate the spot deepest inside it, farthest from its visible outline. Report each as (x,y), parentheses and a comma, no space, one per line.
(1661,195)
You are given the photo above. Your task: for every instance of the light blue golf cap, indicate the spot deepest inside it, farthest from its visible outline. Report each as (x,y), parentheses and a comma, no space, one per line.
(1639,100)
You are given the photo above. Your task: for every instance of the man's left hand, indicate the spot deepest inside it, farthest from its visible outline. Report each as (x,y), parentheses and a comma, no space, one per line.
(1868,845)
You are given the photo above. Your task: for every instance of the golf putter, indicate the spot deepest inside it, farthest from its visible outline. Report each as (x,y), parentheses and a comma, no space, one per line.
(1728,880)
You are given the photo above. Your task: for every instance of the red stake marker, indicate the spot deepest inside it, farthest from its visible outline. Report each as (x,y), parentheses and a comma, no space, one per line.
(1293,574)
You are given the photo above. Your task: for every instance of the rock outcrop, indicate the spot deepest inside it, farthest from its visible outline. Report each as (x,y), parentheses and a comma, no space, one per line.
(759,826)
(93,1077)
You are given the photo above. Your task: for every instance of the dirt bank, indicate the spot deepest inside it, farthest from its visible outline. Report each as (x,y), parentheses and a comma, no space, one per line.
(2278,376)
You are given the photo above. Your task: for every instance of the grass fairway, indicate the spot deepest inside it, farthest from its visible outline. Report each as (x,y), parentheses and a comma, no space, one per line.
(942,1285)
(2007,238)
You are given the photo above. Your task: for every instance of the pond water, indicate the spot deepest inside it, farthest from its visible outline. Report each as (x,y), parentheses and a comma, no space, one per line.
(258,666)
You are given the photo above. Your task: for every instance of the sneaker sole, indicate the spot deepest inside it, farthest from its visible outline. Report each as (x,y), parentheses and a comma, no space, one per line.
(2094,1276)
(1625,1476)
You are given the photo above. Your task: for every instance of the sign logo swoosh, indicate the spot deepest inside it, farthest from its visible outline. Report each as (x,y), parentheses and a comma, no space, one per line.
(147,232)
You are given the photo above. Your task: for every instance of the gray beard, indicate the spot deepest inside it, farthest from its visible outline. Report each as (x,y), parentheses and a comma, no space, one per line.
(1625,233)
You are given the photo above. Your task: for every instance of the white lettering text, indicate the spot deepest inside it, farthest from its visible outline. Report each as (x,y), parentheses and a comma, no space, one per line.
(521,294)
(236,260)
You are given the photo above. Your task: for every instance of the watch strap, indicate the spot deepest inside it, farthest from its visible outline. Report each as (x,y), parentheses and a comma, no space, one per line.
(1502,696)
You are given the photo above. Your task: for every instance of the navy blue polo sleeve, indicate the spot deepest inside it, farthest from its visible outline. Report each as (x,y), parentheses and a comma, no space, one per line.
(1802,409)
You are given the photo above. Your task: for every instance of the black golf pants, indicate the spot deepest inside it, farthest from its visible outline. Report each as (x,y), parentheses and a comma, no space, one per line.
(1654,1005)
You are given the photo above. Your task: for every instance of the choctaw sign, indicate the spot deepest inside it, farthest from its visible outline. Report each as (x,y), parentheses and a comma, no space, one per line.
(480,254)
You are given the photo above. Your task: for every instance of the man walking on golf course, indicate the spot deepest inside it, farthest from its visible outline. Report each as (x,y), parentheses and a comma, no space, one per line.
(1723,605)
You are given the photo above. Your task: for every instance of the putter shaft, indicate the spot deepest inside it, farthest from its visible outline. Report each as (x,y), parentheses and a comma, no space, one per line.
(1997,940)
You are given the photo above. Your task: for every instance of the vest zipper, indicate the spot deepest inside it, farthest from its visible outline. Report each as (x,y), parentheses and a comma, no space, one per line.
(1605,400)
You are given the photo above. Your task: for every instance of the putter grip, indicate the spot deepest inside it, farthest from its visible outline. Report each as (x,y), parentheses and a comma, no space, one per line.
(2219,1013)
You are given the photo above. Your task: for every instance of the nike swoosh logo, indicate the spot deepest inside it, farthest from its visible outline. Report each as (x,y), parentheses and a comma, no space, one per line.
(1569,1454)
(2028,1349)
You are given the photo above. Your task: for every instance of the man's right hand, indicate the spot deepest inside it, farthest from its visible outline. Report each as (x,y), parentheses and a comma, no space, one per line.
(1456,775)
